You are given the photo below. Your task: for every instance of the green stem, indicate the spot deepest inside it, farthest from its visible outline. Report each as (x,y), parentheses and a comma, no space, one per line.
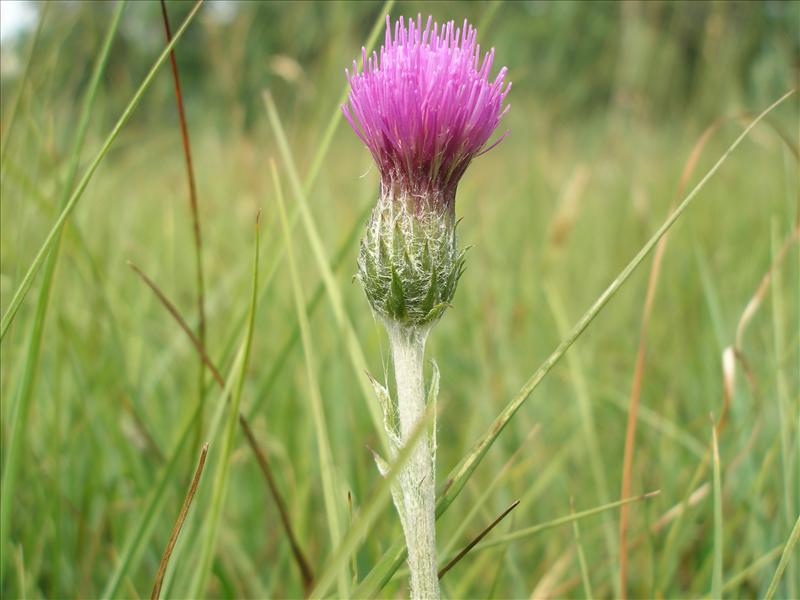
(417,499)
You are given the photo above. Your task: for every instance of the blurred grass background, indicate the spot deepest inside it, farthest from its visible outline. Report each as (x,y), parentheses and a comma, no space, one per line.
(608,101)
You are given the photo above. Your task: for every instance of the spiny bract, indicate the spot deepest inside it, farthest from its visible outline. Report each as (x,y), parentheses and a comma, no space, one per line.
(409,262)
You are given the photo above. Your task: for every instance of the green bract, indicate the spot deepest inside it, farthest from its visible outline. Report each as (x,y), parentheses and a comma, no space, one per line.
(409,262)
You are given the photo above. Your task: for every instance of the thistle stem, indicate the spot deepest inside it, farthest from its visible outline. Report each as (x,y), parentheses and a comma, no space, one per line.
(417,482)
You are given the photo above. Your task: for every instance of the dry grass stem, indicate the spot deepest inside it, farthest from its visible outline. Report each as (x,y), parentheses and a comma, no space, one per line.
(638,373)
(477,539)
(173,538)
(196,230)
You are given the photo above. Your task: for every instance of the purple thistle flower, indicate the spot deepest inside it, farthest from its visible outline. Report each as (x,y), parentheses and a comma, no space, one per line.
(425,107)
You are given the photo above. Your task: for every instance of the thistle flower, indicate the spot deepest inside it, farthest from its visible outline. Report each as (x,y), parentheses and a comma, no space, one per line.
(424,107)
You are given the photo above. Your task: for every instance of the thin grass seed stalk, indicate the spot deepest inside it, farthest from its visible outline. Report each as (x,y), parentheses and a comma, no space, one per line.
(425,107)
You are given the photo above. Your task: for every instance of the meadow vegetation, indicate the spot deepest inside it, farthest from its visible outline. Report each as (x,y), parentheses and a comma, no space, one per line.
(617,112)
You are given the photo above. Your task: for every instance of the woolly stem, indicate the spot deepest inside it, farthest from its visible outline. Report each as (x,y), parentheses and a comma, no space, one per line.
(417,487)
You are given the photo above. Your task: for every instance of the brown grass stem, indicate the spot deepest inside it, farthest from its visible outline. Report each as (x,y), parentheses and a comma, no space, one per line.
(198,239)
(187,502)
(477,539)
(638,373)
(302,563)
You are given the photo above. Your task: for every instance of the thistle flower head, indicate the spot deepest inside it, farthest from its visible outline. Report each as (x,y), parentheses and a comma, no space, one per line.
(425,106)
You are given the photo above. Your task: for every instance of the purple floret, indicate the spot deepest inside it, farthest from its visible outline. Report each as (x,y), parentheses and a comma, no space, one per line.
(426,107)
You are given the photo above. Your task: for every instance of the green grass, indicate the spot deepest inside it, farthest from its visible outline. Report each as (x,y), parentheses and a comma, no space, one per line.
(29,375)
(98,383)
(326,458)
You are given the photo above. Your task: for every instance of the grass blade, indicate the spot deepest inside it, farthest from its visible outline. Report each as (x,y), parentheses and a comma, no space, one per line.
(576,532)
(143,528)
(306,573)
(786,556)
(51,238)
(323,440)
(477,539)
(780,326)
(187,502)
(27,385)
(593,450)
(196,230)
(200,580)
(716,577)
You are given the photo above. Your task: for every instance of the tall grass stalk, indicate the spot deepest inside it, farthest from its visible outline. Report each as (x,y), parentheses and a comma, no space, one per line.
(196,229)
(585,578)
(187,502)
(716,577)
(786,557)
(779,327)
(326,459)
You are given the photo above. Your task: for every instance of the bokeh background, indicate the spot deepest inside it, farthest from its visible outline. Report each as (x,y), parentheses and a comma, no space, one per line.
(611,104)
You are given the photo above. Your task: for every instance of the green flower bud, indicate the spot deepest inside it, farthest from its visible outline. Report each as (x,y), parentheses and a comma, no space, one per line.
(409,263)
